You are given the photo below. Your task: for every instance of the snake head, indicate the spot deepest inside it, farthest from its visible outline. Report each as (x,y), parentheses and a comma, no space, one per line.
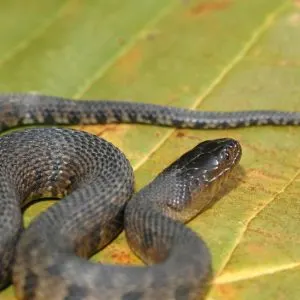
(208,160)
(218,157)
(198,175)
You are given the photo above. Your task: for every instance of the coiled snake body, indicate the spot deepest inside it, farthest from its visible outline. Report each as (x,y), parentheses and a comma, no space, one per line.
(97,182)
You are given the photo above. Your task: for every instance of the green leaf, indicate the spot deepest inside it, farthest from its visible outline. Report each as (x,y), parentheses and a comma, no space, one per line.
(209,55)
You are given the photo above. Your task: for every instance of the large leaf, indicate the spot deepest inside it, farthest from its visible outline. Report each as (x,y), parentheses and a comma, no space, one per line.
(210,55)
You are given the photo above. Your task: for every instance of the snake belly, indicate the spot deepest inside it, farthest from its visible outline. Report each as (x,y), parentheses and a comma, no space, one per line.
(97,181)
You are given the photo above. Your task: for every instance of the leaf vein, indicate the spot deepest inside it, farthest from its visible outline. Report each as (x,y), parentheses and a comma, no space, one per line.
(251,274)
(251,218)
(240,55)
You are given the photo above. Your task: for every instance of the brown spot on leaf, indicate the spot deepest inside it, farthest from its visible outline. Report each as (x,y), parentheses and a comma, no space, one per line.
(297,3)
(180,134)
(210,6)
(227,291)
(128,65)
(107,128)
(152,35)
(102,129)
(121,257)
(256,249)
(121,41)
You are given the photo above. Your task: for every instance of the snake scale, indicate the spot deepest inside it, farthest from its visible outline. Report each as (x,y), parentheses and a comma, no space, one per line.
(48,259)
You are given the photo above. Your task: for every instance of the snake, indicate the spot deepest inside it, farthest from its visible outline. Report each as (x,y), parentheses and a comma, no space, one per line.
(49,259)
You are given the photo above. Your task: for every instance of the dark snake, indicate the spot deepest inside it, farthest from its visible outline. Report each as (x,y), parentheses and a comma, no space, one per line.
(48,259)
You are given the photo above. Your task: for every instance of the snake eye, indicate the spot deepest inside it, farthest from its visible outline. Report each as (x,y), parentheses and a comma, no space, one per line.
(227,155)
